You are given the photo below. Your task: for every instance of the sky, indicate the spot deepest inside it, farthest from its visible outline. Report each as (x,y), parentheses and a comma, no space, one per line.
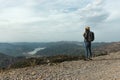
(58,20)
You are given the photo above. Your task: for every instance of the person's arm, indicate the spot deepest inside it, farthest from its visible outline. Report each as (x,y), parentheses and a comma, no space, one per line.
(85,35)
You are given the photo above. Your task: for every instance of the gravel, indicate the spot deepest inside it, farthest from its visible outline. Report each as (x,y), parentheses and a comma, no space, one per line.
(100,68)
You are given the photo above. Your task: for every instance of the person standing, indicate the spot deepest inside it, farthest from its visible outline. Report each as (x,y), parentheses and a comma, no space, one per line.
(88,38)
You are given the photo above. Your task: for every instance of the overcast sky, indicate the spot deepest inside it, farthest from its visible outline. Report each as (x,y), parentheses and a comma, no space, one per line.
(58,20)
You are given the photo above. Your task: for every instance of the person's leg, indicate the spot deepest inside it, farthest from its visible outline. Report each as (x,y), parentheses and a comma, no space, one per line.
(86,49)
(90,52)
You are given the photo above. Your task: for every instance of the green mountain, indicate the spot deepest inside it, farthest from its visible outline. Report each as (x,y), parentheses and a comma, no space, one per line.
(51,48)
(6,60)
(17,49)
(62,48)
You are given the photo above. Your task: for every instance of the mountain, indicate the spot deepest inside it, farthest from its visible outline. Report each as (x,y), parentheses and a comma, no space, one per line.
(21,48)
(77,48)
(107,48)
(17,49)
(48,48)
(10,49)
(62,48)
(5,60)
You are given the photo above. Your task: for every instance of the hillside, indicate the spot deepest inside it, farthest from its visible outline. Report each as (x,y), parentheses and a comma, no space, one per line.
(17,49)
(101,68)
(77,48)
(22,48)
(105,67)
(51,48)
(14,51)
(107,48)
(62,49)
(54,51)
(5,60)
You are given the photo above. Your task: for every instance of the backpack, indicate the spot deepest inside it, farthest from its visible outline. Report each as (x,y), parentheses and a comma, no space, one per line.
(91,36)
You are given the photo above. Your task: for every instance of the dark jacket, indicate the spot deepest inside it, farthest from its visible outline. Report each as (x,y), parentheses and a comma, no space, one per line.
(87,36)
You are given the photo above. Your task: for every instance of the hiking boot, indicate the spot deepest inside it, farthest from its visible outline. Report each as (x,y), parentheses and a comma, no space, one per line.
(86,59)
(90,59)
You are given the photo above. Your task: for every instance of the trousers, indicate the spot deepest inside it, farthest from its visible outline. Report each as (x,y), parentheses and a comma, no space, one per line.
(88,52)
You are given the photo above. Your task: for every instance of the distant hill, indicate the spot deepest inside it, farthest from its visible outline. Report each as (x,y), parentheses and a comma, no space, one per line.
(107,48)
(5,60)
(77,48)
(17,49)
(67,48)
(61,49)
(51,48)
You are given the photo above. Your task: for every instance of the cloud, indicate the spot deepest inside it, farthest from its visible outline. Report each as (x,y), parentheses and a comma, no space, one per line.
(93,13)
(43,20)
(112,8)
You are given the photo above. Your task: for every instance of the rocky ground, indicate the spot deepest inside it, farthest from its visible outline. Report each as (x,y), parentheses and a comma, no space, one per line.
(100,68)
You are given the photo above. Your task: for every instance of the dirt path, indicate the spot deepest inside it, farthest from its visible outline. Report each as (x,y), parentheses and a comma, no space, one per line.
(100,68)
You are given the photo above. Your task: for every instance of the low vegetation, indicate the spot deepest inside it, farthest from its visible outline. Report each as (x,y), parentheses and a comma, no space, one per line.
(44,60)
